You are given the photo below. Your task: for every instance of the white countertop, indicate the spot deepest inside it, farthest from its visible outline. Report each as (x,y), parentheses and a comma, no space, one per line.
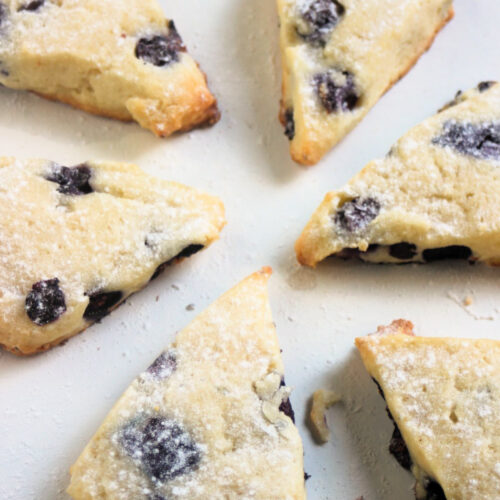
(53,403)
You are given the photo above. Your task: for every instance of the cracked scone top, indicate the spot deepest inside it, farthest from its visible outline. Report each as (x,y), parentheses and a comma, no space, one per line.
(340,56)
(77,241)
(118,59)
(444,397)
(207,420)
(435,195)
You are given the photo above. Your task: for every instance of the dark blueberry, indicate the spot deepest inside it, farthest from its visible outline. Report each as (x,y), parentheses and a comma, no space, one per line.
(162,448)
(372,247)
(45,302)
(187,252)
(289,124)
(336,91)
(159,270)
(453,102)
(318,19)
(161,50)
(163,366)
(347,254)
(380,391)
(356,214)
(403,251)
(100,304)
(356,253)
(71,180)
(32,6)
(480,140)
(3,13)
(399,450)
(286,405)
(397,446)
(434,491)
(286,408)
(452,252)
(485,86)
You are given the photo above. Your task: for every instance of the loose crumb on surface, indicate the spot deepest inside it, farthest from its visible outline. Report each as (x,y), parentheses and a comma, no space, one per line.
(468,300)
(463,304)
(321,400)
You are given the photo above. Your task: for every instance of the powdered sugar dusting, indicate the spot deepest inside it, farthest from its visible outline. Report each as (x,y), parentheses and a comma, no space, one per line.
(86,53)
(220,403)
(431,195)
(110,239)
(443,395)
(374,43)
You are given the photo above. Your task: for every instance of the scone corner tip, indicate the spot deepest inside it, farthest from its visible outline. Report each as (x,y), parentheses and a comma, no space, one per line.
(325,95)
(397,326)
(266,271)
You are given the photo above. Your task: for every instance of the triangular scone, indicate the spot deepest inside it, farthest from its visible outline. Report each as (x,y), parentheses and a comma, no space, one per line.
(77,241)
(444,397)
(209,419)
(340,56)
(119,59)
(436,194)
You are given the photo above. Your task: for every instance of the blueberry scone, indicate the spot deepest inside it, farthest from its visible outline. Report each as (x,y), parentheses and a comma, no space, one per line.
(119,59)
(77,241)
(209,419)
(436,195)
(340,56)
(443,395)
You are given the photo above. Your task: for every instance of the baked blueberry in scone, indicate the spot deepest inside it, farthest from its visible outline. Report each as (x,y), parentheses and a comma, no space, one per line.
(207,419)
(120,59)
(443,395)
(436,195)
(340,56)
(76,241)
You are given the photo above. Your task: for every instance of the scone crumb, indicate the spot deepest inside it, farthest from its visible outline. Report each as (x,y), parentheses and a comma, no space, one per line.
(321,400)
(396,327)
(273,392)
(464,305)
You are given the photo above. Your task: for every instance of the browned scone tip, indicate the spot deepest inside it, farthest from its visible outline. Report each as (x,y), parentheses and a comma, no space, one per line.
(145,74)
(341,100)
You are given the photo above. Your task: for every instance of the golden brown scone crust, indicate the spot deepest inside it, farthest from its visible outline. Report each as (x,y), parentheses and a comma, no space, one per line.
(444,396)
(83,53)
(109,239)
(220,381)
(426,193)
(376,62)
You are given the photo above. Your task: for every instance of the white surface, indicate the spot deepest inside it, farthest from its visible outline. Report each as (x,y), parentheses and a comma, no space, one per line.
(52,403)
